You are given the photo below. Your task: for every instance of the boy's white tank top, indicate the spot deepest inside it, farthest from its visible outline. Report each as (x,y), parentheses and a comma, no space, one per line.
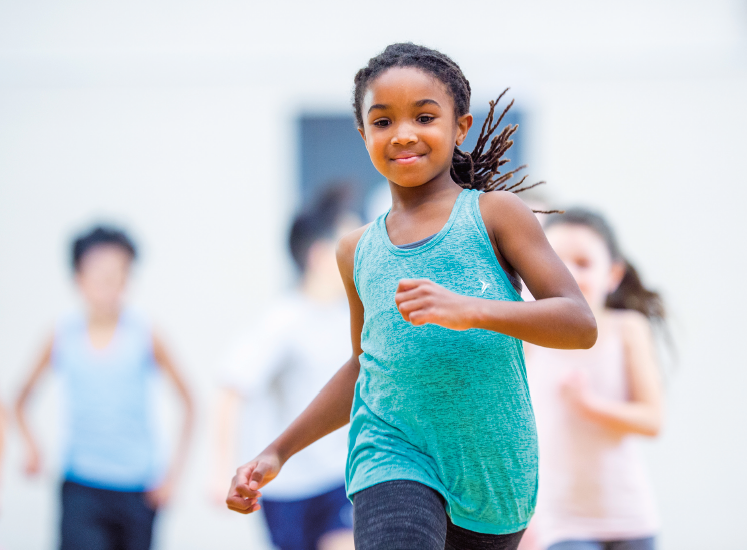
(593,481)
(279,367)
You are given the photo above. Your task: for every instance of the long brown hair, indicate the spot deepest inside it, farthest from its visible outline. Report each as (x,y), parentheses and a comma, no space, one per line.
(631,293)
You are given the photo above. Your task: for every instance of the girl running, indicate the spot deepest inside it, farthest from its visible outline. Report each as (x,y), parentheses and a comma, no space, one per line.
(442,448)
(591,405)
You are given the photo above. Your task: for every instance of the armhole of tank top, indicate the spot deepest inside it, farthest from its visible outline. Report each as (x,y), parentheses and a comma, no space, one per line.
(356,256)
(54,354)
(67,326)
(135,321)
(149,334)
(483,230)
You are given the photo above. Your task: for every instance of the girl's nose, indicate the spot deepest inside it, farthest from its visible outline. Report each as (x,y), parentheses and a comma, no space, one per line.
(404,135)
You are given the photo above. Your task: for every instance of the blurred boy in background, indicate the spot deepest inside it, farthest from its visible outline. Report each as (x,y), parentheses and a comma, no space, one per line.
(106,355)
(277,370)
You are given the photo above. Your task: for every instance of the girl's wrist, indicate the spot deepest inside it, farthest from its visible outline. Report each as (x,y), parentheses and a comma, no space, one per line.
(591,405)
(481,313)
(276,448)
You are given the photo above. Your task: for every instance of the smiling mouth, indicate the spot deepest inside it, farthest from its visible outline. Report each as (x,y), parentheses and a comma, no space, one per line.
(406,159)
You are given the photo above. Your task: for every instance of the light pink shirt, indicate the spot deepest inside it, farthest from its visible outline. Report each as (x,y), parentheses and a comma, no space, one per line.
(592,481)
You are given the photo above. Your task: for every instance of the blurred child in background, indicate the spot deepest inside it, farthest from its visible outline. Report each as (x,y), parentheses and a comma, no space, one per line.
(277,370)
(105,355)
(591,404)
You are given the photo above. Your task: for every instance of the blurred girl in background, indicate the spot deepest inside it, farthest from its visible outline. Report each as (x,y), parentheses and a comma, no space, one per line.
(105,355)
(277,370)
(592,404)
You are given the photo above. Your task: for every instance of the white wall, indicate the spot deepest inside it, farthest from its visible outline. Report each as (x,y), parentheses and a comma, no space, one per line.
(184,169)
(177,120)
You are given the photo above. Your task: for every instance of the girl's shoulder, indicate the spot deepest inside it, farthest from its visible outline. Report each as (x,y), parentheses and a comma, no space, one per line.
(500,200)
(71,319)
(503,210)
(633,325)
(346,249)
(628,318)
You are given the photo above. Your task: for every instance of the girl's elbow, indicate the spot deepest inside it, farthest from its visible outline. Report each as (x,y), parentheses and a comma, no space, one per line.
(651,430)
(650,424)
(655,425)
(588,332)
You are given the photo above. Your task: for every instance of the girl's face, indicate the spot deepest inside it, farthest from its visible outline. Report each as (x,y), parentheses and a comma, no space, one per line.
(102,278)
(587,257)
(409,127)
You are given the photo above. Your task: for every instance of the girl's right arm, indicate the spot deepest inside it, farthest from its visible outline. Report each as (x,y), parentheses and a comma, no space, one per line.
(33,461)
(329,411)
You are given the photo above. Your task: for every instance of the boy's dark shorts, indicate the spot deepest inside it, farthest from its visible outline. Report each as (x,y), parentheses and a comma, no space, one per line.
(94,518)
(299,524)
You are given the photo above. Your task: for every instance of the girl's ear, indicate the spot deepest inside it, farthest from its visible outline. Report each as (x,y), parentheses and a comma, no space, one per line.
(617,272)
(464,123)
(362,132)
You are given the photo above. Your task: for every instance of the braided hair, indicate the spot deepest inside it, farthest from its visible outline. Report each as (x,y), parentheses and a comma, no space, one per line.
(480,169)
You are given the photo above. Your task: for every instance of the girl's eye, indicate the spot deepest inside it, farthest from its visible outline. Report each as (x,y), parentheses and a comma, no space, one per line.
(381,123)
(425,119)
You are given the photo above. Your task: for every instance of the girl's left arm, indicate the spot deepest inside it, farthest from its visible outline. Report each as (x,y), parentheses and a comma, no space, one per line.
(226,430)
(560,316)
(642,412)
(160,495)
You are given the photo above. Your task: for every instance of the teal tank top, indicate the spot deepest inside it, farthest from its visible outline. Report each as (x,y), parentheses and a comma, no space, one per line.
(448,409)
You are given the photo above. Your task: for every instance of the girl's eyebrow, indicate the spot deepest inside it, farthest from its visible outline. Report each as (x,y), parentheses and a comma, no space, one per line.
(418,103)
(427,102)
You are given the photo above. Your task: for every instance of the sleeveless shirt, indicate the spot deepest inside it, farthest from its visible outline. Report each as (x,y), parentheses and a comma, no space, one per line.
(594,483)
(445,408)
(110,444)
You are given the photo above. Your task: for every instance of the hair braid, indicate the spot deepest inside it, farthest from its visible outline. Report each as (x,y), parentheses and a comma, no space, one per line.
(481,169)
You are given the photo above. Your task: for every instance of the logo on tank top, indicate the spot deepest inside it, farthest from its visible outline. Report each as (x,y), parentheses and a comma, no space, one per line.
(484,286)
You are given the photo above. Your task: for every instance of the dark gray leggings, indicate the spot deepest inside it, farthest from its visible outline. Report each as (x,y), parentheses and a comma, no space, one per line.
(406,515)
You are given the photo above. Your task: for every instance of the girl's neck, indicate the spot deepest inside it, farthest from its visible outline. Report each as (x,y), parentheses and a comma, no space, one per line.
(410,198)
(103,317)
